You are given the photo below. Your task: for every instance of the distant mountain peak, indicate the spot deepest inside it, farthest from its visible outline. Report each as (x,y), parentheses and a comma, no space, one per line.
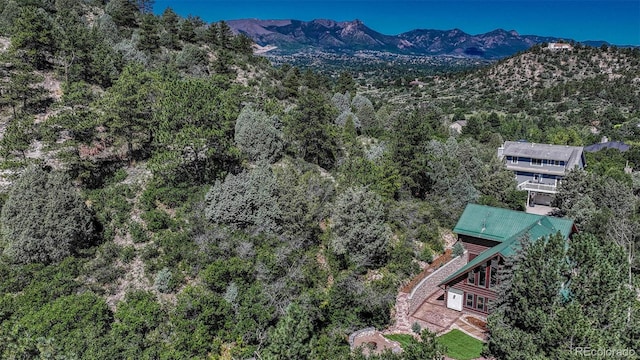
(291,36)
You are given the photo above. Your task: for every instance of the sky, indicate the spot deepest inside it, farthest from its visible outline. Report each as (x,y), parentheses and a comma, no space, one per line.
(614,21)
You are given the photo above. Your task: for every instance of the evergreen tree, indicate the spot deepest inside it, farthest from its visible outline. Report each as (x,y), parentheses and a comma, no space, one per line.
(17,136)
(8,13)
(123,12)
(44,219)
(246,201)
(290,338)
(225,34)
(187,31)
(554,299)
(345,83)
(105,61)
(309,130)
(194,130)
(242,44)
(410,135)
(212,35)
(33,37)
(169,21)
(127,107)
(149,38)
(258,135)
(23,86)
(359,230)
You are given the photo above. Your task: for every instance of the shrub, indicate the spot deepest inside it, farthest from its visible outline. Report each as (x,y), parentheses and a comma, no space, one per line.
(127,254)
(163,281)
(246,201)
(157,220)
(138,233)
(416,328)
(360,232)
(258,135)
(458,249)
(426,255)
(44,218)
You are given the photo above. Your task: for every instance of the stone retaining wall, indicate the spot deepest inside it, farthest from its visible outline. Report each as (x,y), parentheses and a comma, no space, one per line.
(429,284)
(363,332)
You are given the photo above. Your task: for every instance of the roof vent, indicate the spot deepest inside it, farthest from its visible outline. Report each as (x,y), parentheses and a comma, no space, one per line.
(484,223)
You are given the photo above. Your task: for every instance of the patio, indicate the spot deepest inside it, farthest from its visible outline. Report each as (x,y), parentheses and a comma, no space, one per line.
(435,316)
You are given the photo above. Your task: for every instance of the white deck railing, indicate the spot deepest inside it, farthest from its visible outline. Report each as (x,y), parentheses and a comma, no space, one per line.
(531,186)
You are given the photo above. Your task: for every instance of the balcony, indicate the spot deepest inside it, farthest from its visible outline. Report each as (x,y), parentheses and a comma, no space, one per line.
(538,187)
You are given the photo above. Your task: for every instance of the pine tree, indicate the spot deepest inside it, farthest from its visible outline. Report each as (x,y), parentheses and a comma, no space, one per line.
(169,21)
(33,37)
(556,297)
(127,107)
(310,132)
(149,38)
(291,336)
(17,136)
(23,87)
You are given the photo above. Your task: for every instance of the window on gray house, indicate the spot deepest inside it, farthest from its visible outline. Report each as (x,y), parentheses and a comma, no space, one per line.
(536,162)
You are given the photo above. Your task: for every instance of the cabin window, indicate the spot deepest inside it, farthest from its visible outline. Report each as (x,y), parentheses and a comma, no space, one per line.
(471,277)
(470,300)
(480,303)
(493,273)
(482,278)
(536,162)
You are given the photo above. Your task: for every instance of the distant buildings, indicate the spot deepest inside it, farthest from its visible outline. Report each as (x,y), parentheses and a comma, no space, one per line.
(417,83)
(457,126)
(559,46)
(539,168)
(606,144)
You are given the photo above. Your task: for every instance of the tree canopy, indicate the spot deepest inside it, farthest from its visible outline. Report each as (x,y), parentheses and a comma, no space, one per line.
(44,218)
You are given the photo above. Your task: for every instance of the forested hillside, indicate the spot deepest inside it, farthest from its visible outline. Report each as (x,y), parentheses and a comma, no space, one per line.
(168,194)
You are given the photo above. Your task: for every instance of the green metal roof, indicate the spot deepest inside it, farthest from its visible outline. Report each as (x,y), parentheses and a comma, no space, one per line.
(507,227)
(497,224)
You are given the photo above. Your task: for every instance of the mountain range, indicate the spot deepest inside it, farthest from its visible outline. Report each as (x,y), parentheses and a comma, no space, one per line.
(284,37)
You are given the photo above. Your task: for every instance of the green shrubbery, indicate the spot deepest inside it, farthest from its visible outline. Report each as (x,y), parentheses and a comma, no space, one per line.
(44,219)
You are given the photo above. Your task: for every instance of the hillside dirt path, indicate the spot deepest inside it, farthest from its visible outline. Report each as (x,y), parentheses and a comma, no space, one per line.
(135,277)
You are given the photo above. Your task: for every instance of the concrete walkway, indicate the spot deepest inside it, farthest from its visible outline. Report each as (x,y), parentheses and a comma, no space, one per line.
(469,329)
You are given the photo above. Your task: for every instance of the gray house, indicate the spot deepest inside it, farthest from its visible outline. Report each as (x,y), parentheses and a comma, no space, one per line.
(539,168)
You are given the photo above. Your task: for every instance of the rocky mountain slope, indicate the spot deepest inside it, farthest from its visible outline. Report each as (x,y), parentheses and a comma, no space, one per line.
(291,36)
